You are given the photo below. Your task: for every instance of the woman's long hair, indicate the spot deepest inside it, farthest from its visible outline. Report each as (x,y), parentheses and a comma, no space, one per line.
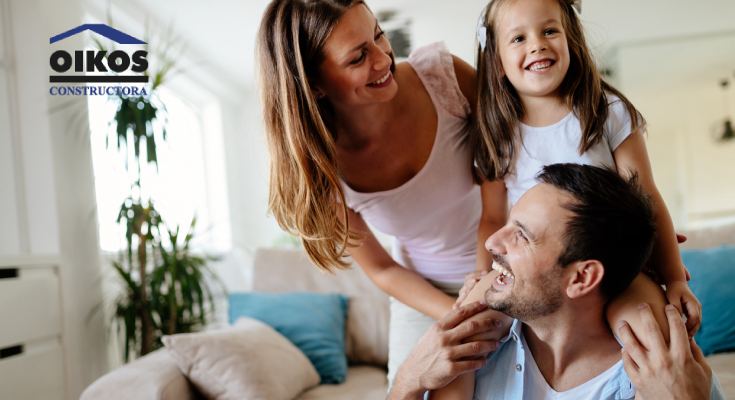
(499,109)
(305,194)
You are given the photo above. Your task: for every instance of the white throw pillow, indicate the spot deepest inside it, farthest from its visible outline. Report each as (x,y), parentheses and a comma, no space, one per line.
(248,361)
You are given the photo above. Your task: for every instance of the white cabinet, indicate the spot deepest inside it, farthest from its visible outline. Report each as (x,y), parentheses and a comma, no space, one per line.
(31,351)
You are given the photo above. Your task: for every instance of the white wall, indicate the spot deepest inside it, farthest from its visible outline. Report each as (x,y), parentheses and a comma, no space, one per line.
(675,84)
(51,179)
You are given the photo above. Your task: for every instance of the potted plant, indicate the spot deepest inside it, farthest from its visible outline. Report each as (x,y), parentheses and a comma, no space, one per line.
(165,286)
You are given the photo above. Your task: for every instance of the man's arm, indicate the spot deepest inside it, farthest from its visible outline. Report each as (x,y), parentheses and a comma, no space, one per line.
(443,353)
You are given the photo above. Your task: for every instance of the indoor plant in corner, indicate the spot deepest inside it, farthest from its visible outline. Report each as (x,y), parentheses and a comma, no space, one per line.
(165,286)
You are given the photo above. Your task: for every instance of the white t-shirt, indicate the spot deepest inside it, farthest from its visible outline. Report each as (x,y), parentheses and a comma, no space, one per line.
(536,387)
(559,143)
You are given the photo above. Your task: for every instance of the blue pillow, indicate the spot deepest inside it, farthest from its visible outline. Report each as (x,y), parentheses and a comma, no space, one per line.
(314,322)
(713,272)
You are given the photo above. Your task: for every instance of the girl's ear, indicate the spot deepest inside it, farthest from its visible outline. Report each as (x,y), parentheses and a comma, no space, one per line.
(586,276)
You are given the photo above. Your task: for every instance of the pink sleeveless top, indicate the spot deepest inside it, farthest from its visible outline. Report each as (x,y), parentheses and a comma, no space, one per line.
(433,217)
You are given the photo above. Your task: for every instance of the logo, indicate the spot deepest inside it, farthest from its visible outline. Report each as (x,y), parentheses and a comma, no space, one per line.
(117,66)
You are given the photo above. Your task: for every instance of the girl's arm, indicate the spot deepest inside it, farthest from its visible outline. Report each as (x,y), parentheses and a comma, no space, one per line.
(405,285)
(631,157)
(494,214)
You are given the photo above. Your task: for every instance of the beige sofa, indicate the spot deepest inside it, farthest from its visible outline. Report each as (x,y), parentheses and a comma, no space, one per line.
(156,376)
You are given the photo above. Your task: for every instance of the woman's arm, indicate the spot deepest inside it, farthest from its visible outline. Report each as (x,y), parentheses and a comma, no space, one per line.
(631,157)
(405,285)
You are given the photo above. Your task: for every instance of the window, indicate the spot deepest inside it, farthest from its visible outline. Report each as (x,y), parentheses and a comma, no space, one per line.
(188,182)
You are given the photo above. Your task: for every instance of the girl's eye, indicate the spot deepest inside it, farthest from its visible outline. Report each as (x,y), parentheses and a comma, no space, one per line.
(360,59)
(550,32)
(517,39)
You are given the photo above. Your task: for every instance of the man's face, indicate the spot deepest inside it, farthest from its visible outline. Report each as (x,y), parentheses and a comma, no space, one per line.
(529,284)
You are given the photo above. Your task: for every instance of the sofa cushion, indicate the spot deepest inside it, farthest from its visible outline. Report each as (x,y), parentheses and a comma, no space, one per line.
(314,322)
(369,310)
(153,376)
(248,361)
(712,271)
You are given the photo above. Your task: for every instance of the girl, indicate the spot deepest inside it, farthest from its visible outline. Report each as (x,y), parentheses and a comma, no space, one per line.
(355,138)
(542,101)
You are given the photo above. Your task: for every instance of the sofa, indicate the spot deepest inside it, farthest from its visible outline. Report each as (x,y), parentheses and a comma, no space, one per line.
(157,376)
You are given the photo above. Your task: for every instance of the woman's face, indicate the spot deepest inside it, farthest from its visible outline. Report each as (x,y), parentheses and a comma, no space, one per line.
(358,63)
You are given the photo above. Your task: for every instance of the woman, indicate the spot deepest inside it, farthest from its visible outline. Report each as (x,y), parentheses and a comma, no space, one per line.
(355,139)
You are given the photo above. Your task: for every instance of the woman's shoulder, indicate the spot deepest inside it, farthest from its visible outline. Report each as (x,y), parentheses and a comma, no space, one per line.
(447,77)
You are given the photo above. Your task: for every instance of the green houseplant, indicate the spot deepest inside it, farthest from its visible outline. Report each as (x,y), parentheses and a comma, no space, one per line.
(165,286)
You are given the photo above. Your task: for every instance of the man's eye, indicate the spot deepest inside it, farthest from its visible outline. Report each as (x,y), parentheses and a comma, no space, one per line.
(360,59)
(521,236)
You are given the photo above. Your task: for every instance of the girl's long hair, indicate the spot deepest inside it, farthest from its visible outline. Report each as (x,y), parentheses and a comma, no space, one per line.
(305,194)
(499,109)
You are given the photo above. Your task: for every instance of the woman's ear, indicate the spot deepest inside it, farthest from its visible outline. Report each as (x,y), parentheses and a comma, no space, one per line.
(586,276)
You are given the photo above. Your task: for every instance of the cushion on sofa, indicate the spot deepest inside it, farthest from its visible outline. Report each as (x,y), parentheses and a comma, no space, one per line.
(368,316)
(248,361)
(712,272)
(314,322)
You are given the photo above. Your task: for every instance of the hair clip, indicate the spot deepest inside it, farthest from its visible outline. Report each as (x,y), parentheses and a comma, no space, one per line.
(577,4)
(482,29)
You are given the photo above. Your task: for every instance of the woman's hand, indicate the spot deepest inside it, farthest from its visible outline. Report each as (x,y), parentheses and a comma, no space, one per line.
(680,296)
(444,353)
(677,371)
(469,282)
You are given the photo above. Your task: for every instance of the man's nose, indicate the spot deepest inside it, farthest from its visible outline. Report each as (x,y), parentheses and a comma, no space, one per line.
(494,244)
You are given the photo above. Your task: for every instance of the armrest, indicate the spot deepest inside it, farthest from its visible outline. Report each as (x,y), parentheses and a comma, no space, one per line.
(154,376)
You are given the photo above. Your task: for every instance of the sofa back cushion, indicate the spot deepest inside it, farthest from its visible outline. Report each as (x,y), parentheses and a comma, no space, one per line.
(289,270)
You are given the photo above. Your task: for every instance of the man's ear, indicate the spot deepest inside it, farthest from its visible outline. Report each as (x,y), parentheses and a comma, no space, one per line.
(585,277)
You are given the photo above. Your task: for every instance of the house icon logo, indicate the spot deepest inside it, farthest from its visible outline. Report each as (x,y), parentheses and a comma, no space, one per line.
(120,66)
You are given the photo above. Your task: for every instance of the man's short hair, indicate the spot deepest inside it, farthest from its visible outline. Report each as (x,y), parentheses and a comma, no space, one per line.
(612,222)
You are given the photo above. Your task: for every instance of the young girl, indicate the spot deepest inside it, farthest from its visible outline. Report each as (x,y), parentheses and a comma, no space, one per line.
(541,101)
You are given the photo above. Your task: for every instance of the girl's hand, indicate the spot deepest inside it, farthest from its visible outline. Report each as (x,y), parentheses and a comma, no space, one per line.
(681,238)
(469,282)
(680,296)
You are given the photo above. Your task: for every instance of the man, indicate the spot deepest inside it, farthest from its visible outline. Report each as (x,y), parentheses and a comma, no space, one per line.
(572,242)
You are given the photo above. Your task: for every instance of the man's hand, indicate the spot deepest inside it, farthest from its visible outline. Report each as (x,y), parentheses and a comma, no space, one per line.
(442,354)
(677,371)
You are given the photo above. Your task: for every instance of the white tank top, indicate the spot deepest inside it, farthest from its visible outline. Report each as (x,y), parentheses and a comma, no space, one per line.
(433,217)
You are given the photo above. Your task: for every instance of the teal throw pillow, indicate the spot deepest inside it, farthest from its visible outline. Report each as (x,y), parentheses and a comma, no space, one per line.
(713,273)
(313,322)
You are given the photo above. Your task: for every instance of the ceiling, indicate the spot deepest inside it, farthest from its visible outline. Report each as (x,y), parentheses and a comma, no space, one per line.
(222,32)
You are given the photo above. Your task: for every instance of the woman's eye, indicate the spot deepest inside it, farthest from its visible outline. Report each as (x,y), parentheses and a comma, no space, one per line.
(360,59)
(379,35)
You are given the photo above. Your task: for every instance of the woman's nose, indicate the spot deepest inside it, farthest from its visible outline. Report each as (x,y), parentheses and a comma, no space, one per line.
(381,58)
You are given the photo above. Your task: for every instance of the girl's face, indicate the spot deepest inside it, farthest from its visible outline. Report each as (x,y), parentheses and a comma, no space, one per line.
(357,67)
(532,45)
